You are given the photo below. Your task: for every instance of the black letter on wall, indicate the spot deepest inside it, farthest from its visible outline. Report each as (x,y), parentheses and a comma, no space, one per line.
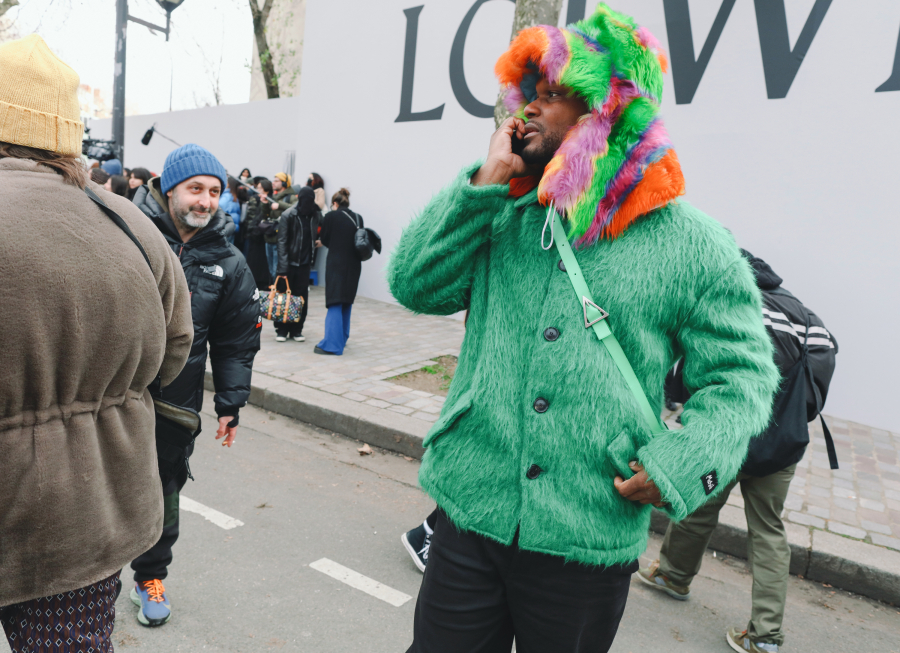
(779,61)
(458,75)
(409,72)
(576,11)
(686,71)
(893,82)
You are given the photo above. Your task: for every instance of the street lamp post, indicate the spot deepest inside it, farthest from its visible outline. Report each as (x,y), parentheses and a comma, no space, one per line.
(122,18)
(118,118)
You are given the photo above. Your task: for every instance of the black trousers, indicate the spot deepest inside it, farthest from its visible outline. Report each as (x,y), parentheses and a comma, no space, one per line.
(155,562)
(298,279)
(477,595)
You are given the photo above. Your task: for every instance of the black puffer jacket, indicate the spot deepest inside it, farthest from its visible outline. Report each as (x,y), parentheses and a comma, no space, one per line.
(224,305)
(297,232)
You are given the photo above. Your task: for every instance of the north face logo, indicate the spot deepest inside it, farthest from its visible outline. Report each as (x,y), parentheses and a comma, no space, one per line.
(710,481)
(214,270)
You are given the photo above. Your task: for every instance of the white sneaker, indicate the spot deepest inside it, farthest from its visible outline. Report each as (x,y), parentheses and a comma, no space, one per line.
(299,339)
(280,338)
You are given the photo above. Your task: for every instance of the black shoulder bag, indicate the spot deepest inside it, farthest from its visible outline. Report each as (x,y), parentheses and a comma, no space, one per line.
(176,427)
(365,240)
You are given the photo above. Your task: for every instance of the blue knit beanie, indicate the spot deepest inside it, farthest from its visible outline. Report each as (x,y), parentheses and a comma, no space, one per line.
(189,161)
(112,167)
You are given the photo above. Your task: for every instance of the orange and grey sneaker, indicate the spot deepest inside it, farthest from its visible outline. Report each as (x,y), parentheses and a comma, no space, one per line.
(150,597)
(651,576)
(738,640)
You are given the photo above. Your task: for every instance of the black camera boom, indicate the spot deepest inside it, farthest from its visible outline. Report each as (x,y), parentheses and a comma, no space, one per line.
(99,149)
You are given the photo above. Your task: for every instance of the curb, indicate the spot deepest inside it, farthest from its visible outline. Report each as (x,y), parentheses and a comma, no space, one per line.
(818,555)
(375,426)
(847,564)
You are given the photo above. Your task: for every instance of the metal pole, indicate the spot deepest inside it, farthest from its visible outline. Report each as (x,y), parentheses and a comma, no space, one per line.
(118,117)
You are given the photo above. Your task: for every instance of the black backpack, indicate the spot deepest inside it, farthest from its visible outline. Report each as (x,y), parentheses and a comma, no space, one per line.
(805,354)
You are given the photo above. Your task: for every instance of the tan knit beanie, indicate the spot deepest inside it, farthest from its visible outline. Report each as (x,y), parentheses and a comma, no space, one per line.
(38,98)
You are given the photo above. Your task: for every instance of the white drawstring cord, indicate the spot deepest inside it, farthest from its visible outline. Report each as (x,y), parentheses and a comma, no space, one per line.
(544,230)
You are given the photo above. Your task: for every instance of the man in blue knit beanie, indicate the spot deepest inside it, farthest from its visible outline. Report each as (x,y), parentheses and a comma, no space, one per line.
(184,205)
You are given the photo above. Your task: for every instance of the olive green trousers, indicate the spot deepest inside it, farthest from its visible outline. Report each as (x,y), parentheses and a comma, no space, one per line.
(768,550)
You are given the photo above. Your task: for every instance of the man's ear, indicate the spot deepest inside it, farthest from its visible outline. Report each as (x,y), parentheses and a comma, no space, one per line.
(169,193)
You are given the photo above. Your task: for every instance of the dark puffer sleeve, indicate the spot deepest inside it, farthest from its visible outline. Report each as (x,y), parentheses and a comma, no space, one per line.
(234,341)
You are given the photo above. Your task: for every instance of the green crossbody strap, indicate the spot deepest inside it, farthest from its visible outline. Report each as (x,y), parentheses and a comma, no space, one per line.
(595,318)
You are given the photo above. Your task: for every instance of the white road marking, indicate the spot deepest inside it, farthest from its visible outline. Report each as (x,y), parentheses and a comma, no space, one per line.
(209,514)
(360,582)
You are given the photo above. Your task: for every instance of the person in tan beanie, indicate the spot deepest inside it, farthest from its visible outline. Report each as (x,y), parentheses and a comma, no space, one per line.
(89,326)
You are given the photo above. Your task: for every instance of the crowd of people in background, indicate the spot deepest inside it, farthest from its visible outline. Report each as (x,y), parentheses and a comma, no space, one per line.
(513,537)
(279,227)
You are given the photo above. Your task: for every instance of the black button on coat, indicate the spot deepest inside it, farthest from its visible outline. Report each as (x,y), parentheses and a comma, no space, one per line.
(551,334)
(541,405)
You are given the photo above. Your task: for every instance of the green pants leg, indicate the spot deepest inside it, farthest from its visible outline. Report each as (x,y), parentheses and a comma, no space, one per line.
(685,542)
(768,550)
(770,555)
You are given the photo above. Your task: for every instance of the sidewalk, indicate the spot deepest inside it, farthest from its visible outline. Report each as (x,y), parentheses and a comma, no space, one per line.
(835,516)
(385,340)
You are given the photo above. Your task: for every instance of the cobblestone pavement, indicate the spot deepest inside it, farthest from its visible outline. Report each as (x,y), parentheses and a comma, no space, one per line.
(385,340)
(861,500)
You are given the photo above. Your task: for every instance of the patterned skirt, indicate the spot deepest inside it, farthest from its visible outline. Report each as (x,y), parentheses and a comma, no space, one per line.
(80,620)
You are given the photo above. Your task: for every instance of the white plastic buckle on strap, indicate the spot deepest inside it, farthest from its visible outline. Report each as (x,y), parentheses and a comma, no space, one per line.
(544,230)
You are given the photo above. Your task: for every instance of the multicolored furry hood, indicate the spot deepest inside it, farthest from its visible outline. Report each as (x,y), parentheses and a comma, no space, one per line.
(617,163)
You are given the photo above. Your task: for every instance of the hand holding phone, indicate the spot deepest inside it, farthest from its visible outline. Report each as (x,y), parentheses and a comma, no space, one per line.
(517,143)
(504,161)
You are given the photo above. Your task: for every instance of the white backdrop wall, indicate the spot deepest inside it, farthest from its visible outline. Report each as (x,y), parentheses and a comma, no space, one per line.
(254,135)
(804,179)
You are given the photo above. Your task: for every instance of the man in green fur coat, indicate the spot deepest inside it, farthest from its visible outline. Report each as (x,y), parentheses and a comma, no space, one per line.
(542,463)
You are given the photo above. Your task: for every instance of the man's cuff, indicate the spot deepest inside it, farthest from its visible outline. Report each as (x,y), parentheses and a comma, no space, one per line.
(500,191)
(675,507)
(227,411)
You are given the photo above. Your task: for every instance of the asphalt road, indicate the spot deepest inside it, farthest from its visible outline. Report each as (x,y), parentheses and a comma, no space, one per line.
(304,494)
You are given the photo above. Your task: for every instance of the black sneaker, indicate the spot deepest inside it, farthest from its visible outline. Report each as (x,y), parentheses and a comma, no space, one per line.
(417,542)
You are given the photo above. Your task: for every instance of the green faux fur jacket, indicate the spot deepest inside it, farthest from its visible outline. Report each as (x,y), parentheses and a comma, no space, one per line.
(674,284)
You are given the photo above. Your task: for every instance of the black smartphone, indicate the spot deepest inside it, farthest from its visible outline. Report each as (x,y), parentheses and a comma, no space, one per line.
(518,144)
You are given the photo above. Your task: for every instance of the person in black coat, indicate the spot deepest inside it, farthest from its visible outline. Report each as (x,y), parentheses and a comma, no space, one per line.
(342,269)
(227,324)
(297,231)
(258,222)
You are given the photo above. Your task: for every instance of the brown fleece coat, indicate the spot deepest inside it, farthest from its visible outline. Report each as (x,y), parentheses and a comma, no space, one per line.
(85,328)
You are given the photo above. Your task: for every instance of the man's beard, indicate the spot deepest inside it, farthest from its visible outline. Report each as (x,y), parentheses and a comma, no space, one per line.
(541,154)
(188,215)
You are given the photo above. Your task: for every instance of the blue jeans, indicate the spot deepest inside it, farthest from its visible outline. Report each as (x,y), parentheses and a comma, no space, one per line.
(272,259)
(337,328)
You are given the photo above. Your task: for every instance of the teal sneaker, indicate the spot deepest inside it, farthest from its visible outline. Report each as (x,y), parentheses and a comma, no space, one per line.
(150,597)
(651,576)
(738,640)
